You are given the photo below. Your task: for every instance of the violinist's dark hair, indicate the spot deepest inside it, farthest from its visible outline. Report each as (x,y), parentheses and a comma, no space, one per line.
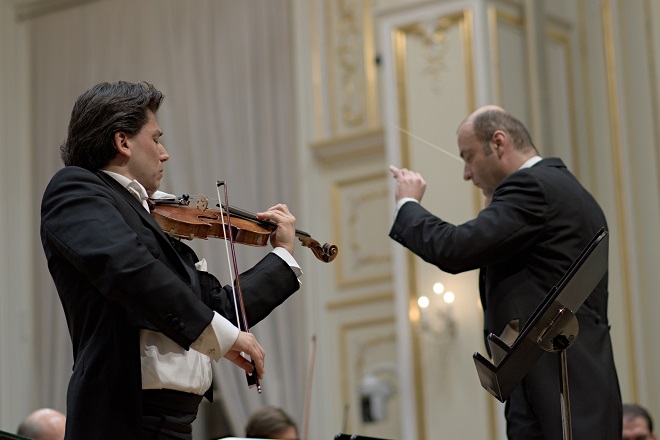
(102,111)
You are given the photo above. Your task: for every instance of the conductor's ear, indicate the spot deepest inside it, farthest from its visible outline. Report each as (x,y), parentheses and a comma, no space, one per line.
(499,138)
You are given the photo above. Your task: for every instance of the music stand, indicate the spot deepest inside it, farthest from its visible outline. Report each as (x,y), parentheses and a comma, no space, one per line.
(9,436)
(552,327)
(342,436)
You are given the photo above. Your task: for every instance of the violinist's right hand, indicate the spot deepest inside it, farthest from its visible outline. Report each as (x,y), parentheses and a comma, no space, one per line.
(285,234)
(247,343)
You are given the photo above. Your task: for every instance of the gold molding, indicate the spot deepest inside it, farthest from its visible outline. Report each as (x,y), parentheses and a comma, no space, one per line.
(655,110)
(496,67)
(317,77)
(584,69)
(467,27)
(331,93)
(350,65)
(359,301)
(354,245)
(617,154)
(464,19)
(350,147)
(495,17)
(399,49)
(371,77)
(564,41)
(353,114)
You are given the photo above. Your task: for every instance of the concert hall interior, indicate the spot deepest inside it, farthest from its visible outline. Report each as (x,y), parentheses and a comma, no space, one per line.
(307,103)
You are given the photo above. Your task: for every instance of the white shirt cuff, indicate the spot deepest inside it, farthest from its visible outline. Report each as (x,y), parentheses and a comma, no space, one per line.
(401,202)
(288,259)
(217,338)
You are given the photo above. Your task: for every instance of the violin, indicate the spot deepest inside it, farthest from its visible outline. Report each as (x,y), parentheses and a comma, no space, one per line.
(178,219)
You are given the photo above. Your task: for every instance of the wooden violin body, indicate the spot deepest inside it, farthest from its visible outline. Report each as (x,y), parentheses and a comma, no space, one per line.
(183,221)
(189,222)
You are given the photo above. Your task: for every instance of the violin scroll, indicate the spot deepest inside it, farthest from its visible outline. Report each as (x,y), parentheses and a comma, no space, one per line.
(325,253)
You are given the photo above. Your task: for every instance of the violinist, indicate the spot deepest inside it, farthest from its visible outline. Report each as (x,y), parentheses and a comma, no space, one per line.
(144,317)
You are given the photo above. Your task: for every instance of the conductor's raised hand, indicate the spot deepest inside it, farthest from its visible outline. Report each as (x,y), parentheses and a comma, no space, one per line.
(285,234)
(247,343)
(408,184)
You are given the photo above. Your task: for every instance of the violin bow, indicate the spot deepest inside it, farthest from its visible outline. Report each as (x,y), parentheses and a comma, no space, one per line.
(253,378)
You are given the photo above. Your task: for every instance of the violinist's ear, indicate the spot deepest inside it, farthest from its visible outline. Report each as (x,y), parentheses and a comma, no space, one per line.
(121,143)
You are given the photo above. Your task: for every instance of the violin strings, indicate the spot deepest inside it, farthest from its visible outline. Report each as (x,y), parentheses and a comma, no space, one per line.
(232,273)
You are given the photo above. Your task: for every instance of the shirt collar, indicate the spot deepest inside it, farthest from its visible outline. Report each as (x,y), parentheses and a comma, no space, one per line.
(531,162)
(133,186)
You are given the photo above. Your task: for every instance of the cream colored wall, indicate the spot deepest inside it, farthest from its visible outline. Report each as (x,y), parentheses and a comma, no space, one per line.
(17,224)
(583,75)
(603,59)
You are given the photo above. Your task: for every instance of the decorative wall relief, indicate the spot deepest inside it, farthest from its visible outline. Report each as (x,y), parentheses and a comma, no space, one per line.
(361,221)
(432,36)
(350,65)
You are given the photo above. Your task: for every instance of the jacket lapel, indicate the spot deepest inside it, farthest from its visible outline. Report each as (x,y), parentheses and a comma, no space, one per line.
(166,245)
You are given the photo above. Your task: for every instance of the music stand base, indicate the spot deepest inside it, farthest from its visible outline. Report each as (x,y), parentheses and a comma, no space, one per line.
(564,395)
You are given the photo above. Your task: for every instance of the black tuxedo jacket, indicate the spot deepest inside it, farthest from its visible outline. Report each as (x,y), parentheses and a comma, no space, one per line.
(116,272)
(538,222)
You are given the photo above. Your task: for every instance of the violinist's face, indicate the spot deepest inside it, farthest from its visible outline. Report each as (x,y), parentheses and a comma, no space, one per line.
(147,155)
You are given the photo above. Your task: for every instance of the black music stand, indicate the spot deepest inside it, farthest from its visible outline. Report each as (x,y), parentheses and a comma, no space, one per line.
(355,437)
(552,328)
(9,436)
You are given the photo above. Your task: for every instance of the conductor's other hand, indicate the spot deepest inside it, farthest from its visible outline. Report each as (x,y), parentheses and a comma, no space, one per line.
(408,184)
(285,234)
(247,343)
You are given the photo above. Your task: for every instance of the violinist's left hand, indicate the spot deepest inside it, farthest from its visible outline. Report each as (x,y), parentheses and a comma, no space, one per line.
(285,234)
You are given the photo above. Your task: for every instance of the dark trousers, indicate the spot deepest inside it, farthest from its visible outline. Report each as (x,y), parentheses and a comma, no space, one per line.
(168,414)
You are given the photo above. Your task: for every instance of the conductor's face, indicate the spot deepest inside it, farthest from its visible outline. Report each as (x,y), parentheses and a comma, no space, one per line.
(482,165)
(147,154)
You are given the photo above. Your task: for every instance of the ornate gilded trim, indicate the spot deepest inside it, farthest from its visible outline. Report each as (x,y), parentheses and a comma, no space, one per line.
(564,41)
(617,155)
(496,16)
(362,263)
(351,147)
(359,301)
(317,76)
(464,20)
